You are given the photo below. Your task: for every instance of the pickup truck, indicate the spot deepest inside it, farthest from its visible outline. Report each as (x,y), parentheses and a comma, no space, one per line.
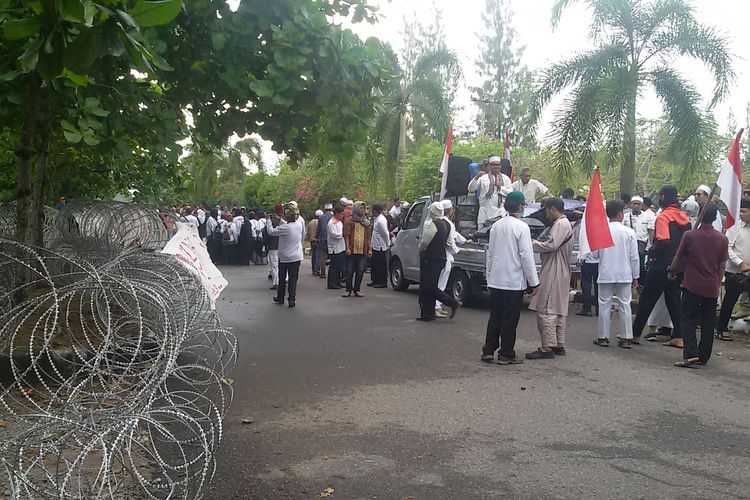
(467,281)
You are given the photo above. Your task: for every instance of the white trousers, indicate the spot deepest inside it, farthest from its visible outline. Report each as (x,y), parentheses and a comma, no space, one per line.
(273,265)
(621,294)
(443,280)
(660,315)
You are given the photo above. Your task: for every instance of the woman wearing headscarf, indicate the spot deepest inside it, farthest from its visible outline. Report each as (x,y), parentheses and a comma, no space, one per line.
(431,262)
(357,237)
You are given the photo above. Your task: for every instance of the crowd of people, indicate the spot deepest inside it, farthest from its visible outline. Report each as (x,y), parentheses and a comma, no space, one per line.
(673,252)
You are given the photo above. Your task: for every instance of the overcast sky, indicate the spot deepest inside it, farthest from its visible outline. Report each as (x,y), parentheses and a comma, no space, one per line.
(462,20)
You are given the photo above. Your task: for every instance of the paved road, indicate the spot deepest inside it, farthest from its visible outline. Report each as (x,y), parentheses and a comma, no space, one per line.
(357,396)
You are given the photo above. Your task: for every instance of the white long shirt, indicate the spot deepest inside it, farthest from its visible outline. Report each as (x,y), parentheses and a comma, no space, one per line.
(395,211)
(455,240)
(192,219)
(380,235)
(491,207)
(739,249)
(620,263)
(336,242)
(290,240)
(201,215)
(510,256)
(530,190)
(211,225)
(640,223)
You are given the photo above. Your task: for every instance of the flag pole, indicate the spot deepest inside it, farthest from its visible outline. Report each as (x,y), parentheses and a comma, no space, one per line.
(714,188)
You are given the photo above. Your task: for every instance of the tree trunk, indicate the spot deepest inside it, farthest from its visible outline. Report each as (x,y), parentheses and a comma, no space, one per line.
(401,155)
(25,155)
(627,173)
(36,226)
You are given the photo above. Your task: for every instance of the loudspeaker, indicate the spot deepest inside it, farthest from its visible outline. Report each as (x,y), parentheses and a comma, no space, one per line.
(459,175)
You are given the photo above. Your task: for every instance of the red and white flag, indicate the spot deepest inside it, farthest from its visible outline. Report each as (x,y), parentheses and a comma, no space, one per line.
(444,163)
(506,155)
(730,182)
(595,233)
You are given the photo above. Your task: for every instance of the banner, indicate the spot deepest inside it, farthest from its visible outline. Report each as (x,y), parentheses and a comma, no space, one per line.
(189,249)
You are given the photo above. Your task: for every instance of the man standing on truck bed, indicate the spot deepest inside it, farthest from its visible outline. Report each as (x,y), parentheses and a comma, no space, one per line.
(510,271)
(531,188)
(493,188)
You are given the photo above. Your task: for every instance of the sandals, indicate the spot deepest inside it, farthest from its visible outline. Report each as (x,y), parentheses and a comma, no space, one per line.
(346,294)
(357,294)
(602,342)
(725,336)
(624,343)
(688,363)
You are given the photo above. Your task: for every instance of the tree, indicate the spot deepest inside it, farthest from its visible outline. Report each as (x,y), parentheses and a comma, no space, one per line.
(506,93)
(429,74)
(636,43)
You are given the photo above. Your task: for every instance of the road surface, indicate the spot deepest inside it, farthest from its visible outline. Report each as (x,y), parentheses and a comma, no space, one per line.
(353,398)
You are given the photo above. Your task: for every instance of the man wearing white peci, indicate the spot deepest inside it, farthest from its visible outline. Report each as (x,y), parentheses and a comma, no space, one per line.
(619,270)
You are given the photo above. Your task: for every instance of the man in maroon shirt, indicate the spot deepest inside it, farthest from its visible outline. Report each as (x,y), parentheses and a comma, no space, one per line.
(703,253)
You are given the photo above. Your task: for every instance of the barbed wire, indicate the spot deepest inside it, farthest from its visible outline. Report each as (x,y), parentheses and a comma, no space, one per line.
(112,364)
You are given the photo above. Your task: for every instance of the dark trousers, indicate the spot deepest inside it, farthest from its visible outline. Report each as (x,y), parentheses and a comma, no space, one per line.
(657,283)
(378,270)
(429,274)
(695,308)
(355,271)
(322,258)
(589,277)
(501,328)
(338,265)
(290,269)
(733,292)
(315,258)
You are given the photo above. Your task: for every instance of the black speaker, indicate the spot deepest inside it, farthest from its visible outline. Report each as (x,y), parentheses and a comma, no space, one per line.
(459,175)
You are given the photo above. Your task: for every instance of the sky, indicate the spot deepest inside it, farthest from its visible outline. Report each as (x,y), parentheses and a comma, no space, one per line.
(462,21)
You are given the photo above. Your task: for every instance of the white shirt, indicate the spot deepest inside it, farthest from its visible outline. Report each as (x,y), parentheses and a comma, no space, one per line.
(261,223)
(395,211)
(483,184)
(510,256)
(201,216)
(530,190)
(640,223)
(455,239)
(211,225)
(290,240)
(192,219)
(620,263)
(380,235)
(231,228)
(239,220)
(336,242)
(739,249)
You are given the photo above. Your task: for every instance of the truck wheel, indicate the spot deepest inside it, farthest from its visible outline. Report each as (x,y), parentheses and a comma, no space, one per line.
(459,286)
(396,272)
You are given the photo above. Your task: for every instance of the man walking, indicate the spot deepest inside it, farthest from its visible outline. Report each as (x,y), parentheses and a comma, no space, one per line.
(312,237)
(380,244)
(736,270)
(431,262)
(552,299)
(290,232)
(336,248)
(618,272)
(671,224)
(272,248)
(322,236)
(357,238)
(589,283)
(455,240)
(703,252)
(510,271)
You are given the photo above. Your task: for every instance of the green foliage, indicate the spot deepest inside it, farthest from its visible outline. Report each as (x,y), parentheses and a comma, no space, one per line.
(637,42)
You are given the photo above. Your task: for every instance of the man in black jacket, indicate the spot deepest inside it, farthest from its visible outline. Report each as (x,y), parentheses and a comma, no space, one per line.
(431,262)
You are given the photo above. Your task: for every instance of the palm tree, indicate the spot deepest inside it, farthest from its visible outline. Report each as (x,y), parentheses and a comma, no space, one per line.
(637,42)
(423,96)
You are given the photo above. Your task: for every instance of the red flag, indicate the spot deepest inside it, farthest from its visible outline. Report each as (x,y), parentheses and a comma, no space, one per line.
(730,182)
(595,233)
(444,163)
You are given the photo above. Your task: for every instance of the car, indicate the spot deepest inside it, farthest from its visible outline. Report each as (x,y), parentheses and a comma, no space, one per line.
(467,281)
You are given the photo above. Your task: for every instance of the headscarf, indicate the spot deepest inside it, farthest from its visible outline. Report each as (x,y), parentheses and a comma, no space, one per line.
(436,211)
(362,219)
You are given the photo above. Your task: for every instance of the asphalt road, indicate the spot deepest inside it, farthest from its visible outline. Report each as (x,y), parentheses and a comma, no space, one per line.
(357,396)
